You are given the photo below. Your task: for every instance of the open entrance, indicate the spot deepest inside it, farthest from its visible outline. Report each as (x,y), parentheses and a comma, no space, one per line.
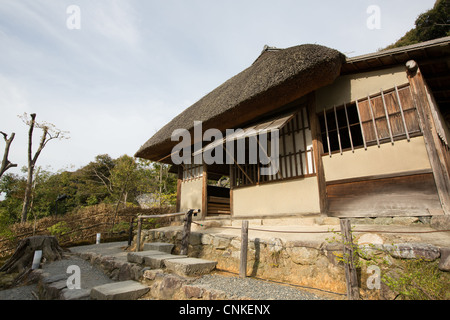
(218,191)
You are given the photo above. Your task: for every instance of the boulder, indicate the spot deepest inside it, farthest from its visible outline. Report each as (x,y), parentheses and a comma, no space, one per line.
(413,251)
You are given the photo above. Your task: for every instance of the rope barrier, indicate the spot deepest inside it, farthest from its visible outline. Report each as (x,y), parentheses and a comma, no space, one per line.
(327,231)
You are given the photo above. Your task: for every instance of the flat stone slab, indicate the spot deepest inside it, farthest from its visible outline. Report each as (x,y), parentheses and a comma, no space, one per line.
(75,294)
(158,261)
(138,257)
(159,246)
(190,266)
(123,290)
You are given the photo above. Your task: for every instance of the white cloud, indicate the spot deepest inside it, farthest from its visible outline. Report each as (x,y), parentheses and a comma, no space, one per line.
(135,65)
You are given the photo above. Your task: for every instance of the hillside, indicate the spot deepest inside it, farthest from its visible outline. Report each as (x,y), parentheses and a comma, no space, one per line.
(433,24)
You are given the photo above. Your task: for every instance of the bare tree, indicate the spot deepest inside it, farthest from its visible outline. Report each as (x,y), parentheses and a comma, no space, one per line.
(49,133)
(6,164)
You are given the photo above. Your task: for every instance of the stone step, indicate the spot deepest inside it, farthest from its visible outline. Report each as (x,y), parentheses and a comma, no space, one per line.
(159,246)
(123,290)
(138,257)
(157,261)
(190,266)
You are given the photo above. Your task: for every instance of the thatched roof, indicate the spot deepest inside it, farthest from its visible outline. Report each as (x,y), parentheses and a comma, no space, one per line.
(276,78)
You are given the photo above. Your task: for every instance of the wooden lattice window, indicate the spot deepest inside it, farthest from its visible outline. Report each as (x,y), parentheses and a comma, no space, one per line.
(384,117)
(295,154)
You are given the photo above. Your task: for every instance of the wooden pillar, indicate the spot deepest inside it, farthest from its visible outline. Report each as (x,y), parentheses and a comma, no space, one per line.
(205,191)
(432,140)
(317,151)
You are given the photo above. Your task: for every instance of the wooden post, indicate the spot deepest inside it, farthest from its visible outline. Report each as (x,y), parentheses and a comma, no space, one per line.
(138,235)
(130,234)
(317,150)
(205,191)
(432,143)
(244,247)
(179,183)
(351,276)
(186,232)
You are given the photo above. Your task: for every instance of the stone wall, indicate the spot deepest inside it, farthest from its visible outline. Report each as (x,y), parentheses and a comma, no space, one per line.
(309,264)
(314,264)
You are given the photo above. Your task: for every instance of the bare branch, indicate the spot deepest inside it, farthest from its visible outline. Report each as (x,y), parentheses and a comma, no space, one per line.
(6,164)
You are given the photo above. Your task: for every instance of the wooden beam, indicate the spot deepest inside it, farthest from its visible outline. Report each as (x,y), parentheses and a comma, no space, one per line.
(317,151)
(432,140)
(387,116)
(348,127)
(402,114)
(373,121)
(326,130)
(337,129)
(361,125)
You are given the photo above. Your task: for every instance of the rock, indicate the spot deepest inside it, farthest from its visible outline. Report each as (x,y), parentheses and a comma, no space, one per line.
(152,274)
(275,245)
(302,255)
(167,287)
(207,239)
(195,239)
(125,272)
(193,292)
(221,242)
(370,238)
(444,263)
(440,222)
(413,251)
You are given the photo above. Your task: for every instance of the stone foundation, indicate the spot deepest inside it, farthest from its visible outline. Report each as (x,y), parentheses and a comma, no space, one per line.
(310,264)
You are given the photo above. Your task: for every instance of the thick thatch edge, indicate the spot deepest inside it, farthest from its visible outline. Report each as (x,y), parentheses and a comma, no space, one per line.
(277,77)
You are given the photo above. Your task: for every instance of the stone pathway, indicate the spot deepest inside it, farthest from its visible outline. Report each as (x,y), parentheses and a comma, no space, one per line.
(106,272)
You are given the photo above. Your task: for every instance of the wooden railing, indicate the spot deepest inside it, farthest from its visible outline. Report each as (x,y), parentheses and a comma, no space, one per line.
(186,230)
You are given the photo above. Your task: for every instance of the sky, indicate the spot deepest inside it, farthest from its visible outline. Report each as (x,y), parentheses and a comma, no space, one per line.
(113,72)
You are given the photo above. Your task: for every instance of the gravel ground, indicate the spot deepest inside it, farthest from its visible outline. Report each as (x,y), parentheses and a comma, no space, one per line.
(236,287)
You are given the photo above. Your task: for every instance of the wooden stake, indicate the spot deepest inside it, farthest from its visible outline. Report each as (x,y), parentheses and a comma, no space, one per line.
(351,276)
(186,232)
(244,247)
(138,235)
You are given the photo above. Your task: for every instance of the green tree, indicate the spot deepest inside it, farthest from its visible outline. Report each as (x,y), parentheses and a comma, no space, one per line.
(433,24)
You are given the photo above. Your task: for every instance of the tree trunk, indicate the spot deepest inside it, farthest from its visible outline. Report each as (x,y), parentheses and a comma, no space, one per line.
(27,198)
(22,258)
